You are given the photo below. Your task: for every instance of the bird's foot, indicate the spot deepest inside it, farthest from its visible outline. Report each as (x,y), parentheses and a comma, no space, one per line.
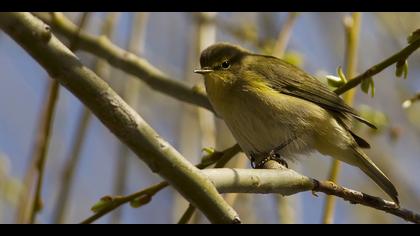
(273,155)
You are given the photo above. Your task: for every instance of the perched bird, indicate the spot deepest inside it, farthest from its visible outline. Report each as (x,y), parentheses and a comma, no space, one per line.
(271,106)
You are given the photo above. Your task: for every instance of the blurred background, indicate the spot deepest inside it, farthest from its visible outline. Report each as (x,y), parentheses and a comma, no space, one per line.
(172,42)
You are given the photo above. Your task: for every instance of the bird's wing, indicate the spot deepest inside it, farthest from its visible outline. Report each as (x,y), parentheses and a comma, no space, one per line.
(295,82)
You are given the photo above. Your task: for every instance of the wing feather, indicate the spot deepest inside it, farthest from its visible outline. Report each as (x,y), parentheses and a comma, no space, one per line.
(295,82)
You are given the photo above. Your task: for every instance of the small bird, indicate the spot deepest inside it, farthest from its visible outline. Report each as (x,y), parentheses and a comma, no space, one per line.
(272,107)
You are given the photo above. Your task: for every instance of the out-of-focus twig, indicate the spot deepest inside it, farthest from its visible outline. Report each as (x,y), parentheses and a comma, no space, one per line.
(407,103)
(67,178)
(352,30)
(130,93)
(39,155)
(284,35)
(187,215)
(41,147)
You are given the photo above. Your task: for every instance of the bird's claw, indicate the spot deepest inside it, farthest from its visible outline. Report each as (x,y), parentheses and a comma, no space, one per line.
(275,156)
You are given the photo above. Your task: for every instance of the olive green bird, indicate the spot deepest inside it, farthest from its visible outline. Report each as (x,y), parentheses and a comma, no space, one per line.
(271,106)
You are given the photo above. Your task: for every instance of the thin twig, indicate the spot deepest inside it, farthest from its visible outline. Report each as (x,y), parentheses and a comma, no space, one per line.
(240,32)
(118,201)
(352,30)
(216,157)
(67,178)
(131,90)
(80,135)
(356,197)
(284,35)
(407,103)
(399,56)
(42,142)
(41,146)
(185,218)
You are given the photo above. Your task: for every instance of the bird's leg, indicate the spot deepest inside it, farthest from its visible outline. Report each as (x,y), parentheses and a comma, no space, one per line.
(272,155)
(275,156)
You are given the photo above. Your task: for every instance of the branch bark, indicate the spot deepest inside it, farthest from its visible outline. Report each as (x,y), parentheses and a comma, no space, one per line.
(36,38)
(288,182)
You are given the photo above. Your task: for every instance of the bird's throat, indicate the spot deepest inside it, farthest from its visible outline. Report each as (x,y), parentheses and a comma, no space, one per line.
(219,95)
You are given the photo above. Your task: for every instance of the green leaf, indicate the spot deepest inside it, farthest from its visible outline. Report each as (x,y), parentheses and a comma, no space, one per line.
(405,69)
(140,201)
(102,204)
(372,87)
(368,84)
(400,68)
(341,74)
(413,36)
(208,150)
(365,85)
(334,81)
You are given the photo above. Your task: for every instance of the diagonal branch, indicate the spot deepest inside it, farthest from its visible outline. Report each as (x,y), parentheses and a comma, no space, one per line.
(36,38)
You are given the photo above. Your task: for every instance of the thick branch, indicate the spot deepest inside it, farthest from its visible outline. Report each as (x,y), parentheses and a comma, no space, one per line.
(288,182)
(126,61)
(35,37)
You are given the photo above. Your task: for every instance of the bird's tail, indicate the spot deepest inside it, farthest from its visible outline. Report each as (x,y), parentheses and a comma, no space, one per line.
(369,168)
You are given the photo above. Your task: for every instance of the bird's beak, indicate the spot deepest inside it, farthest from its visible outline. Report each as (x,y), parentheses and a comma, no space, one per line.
(203,71)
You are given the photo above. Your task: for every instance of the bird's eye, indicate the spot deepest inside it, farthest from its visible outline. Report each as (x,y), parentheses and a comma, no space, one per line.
(225,65)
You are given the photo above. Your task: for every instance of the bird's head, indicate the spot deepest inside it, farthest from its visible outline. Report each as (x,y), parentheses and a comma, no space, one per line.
(221,62)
